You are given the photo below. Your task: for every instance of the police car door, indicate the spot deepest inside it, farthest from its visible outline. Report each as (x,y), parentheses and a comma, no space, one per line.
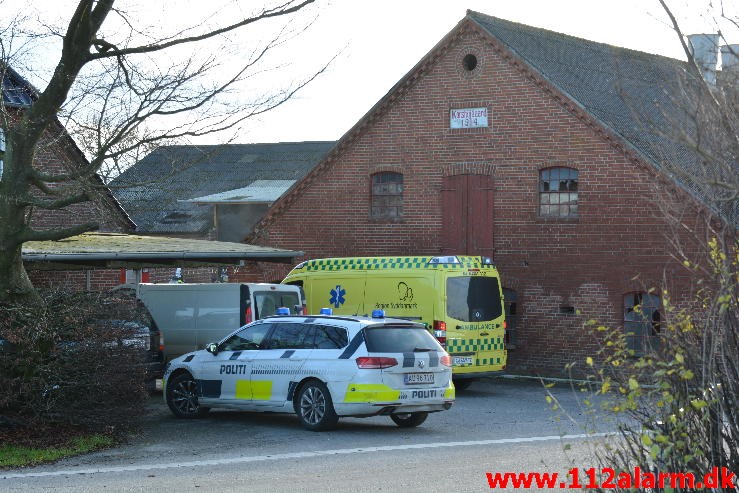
(230,368)
(276,369)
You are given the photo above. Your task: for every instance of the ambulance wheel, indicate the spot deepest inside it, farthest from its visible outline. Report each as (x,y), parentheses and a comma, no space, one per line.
(314,407)
(463,384)
(409,420)
(182,397)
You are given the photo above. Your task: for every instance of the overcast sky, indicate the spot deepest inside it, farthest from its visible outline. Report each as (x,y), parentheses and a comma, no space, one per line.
(384,39)
(379,41)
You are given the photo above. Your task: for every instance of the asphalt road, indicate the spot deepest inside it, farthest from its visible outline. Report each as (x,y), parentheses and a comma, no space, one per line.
(497,425)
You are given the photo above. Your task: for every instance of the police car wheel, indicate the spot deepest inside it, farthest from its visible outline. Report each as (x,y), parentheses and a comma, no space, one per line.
(182,397)
(314,407)
(409,420)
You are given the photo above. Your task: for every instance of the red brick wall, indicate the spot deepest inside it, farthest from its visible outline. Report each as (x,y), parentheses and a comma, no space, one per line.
(616,245)
(106,279)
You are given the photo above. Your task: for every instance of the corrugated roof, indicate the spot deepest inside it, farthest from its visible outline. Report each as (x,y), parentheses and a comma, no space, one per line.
(258,192)
(639,96)
(155,189)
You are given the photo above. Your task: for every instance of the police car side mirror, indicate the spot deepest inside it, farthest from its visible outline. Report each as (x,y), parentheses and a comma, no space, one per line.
(212,348)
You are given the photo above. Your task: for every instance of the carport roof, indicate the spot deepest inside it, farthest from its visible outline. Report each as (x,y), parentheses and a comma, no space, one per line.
(114,250)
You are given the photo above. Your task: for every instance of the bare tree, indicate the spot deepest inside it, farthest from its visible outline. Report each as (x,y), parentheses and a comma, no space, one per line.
(122,90)
(680,393)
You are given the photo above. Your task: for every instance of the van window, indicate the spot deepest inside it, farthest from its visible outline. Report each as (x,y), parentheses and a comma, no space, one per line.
(399,339)
(473,299)
(269,301)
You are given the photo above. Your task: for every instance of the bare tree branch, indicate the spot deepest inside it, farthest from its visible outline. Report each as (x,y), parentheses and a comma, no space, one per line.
(123,94)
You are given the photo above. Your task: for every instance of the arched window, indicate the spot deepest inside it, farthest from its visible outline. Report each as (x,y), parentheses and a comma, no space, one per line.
(558,192)
(387,196)
(642,321)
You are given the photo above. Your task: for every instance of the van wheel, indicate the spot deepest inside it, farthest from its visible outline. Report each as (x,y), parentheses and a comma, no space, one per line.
(463,384)
(314,407)
(182,397)
(409,420)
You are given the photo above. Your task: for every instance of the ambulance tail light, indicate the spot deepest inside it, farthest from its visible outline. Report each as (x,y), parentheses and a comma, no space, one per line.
(248,317)
(440,332)
(161,342)
(375,363)
(505,325)
(446,360)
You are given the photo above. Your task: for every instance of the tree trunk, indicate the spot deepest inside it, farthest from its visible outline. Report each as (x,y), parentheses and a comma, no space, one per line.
(14,282)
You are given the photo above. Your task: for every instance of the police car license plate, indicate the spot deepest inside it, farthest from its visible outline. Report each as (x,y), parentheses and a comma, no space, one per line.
(461,360)
(411,378)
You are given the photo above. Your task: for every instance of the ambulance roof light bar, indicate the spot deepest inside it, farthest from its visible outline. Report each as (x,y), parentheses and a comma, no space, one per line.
(449,259)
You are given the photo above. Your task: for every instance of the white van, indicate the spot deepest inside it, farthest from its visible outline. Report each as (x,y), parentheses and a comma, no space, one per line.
(189,316)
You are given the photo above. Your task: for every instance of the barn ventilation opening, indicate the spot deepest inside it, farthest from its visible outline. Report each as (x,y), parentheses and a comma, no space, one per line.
(469,62)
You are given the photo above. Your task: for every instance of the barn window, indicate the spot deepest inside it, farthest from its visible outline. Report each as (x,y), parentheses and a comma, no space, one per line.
(558,192)
(387,195)
(642,321)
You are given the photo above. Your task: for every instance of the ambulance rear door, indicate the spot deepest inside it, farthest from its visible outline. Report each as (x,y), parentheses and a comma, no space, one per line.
(474,314)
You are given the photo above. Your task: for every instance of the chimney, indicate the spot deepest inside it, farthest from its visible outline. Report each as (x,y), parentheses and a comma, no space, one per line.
(730,59)
(729,75)
(704,48)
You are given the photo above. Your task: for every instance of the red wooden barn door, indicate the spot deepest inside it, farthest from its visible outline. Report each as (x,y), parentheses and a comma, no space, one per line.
(467,215)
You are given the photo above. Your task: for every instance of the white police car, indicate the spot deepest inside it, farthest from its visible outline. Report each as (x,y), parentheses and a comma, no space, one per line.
(320,367)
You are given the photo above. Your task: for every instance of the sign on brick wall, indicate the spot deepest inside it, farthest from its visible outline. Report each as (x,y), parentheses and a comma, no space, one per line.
(468,118)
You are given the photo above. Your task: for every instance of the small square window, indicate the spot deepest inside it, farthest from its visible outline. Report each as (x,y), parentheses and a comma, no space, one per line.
(387,196)
(558,192)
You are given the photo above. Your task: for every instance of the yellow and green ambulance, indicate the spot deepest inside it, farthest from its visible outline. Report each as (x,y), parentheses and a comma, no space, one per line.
(458,297)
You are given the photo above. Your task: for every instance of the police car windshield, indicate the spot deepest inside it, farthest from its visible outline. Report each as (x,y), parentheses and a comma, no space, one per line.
(389,339)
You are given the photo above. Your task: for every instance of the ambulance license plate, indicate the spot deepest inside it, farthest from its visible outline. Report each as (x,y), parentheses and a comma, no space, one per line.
(412,378)
(461,360)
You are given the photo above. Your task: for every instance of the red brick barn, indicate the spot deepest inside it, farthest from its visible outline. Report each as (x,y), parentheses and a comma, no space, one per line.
(58,154)
(526,145)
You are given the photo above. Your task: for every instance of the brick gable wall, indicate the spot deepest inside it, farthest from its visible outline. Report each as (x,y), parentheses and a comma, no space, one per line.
(57,155)
(617,244)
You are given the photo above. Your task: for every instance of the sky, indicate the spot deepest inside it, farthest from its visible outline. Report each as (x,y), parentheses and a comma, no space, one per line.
(376,42)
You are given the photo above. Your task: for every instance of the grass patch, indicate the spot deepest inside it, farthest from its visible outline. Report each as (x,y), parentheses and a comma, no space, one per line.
(18,456)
